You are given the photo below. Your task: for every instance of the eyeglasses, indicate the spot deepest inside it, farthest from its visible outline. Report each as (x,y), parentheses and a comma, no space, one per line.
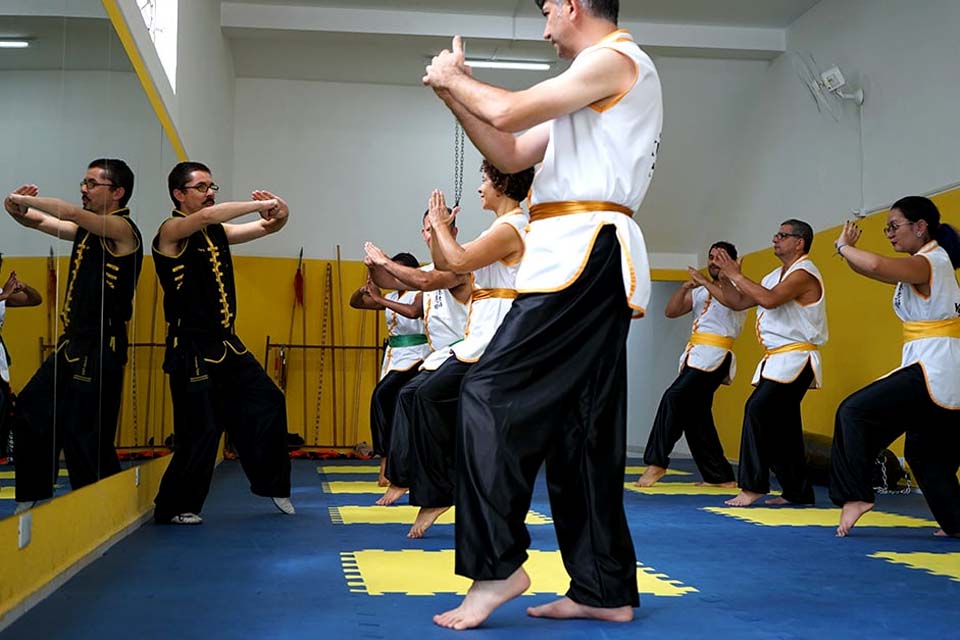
(780,235)
(893,226)
(91,184)
(203,187)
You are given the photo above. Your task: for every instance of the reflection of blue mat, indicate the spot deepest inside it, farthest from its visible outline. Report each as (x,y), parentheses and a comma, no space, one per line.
(249,571)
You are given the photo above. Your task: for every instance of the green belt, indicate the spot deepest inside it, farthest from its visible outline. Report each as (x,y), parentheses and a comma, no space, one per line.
(409,340)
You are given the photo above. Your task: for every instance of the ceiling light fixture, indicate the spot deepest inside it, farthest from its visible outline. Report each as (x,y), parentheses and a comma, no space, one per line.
(14,44)
(508,64)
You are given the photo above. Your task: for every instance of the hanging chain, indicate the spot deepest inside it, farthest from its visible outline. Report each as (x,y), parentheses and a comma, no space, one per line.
(458,137)
(133,395)
(884,488)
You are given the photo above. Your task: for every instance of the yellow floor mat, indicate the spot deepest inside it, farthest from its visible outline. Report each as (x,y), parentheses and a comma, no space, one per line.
(403,514)
(682,489)
(352,486)
(640,470)
(938,564)
(426,573)
(7,493)
(348,468)
(11,475)
(809,517)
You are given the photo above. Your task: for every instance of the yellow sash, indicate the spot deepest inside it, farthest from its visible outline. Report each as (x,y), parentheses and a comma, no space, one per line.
(565,208)
(793,346)
(932,329)
(484,294)
(711,340)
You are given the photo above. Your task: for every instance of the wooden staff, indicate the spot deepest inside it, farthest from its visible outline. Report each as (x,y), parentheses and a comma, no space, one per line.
(343,326)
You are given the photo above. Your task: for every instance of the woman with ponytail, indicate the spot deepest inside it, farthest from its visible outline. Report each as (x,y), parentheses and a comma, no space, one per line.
(922,396)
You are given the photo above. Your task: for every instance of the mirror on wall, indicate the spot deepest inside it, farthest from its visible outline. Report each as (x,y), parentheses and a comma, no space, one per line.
(87,380)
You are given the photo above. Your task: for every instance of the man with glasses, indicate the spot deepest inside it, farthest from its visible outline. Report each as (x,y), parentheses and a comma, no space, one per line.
(85,373)
(215,383)
(791,326)
(706,362)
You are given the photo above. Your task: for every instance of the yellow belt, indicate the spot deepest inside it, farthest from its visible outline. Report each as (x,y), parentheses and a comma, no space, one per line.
(711,340)
(932,329)
(793,346)
(484,294)
(565,208)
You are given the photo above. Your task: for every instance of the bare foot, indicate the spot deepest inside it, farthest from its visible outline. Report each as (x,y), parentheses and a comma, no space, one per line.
(943,534)
(565,608)
(849,515)
(393,494)
(425,519)
(743,499)
(651,476)
(777,502)
(483,597)
(725,485)
(382,480)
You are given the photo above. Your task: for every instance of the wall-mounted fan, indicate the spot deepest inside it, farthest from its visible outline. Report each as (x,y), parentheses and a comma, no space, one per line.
(826,87)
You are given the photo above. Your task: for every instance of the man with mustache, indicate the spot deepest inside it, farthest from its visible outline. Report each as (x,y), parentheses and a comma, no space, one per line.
(85,373)
(215,383)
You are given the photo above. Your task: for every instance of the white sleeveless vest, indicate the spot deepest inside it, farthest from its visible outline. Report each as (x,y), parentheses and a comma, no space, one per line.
(711,317)
(444,319)
(792,323)
(599,153)
(494,288)
(402,358)
(938,356)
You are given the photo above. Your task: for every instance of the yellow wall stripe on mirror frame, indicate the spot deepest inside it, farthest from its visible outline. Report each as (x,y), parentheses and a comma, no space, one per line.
(865,336)
(149,87)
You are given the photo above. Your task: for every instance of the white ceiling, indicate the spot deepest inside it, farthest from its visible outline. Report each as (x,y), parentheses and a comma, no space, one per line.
(747,13)
(390,41)
(60,42)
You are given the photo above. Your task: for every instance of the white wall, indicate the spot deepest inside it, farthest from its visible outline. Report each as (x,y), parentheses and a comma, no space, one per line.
(56,122)
(205,90)
(355,160)
(796,162)
(653,349)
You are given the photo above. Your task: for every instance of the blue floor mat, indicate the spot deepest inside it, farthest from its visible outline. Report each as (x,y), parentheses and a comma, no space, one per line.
(251,572)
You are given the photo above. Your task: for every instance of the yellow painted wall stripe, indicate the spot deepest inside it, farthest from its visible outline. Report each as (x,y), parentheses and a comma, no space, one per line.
(149,88)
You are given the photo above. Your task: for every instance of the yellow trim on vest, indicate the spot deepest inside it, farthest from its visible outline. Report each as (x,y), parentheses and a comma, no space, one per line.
(485,294)
(711,340)
(793,346)
(545,210)
(949,328)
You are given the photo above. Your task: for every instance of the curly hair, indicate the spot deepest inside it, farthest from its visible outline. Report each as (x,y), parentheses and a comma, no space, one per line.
(515,186)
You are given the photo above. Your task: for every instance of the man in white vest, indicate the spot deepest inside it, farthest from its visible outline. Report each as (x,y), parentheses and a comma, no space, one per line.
(707,362)
(551,385)
(791,326)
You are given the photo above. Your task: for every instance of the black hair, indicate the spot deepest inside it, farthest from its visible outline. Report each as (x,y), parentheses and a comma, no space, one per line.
(917,208)
(609,9)
(180,176)
(802,229)
(726,246)
(515,186)
(453,222)
(118,173)
(407,260)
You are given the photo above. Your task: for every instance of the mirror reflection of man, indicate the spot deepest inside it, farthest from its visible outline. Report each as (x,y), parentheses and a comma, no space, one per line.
(215,383)
(14,293)
(85,373)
